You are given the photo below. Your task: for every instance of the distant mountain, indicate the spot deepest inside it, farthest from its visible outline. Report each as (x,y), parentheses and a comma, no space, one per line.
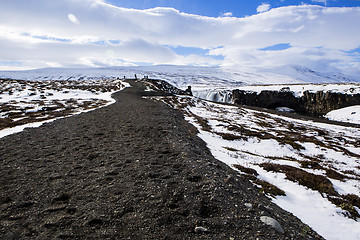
(307,75)
(182,76)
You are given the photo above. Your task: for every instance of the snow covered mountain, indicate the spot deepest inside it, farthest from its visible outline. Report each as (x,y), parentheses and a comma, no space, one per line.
(305,74)
(182,76)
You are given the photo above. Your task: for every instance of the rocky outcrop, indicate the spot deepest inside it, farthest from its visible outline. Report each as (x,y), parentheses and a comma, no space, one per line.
(165,88)
(320,103)
(266,99)
(311,103)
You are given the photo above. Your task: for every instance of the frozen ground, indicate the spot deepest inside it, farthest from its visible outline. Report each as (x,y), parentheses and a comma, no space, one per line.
(30,103)
(310,169)
(348,114)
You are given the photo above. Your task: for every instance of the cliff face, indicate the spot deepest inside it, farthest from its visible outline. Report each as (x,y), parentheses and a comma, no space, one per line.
(314,104)
(320,103)
(266,99)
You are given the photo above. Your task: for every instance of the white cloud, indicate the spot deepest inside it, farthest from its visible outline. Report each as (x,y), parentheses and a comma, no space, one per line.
(320,1)
(42,32)
(263,8)
(73,19)
(227,14)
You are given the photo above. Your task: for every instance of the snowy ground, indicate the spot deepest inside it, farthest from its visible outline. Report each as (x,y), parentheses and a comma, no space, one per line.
(348,114)
(311,169)
(30,103)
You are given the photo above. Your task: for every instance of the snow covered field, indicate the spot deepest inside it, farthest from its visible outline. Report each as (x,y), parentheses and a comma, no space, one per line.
(348,114)
(311,169)
(30,103)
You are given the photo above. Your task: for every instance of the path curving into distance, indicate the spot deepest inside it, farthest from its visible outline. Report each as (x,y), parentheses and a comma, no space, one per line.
(131,170)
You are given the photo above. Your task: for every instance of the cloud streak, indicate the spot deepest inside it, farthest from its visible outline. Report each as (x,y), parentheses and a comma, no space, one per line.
(73,19)
(93,33)
(263,8)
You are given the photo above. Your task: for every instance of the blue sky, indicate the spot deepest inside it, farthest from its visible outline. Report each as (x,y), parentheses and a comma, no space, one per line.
(234,34)
(215,8)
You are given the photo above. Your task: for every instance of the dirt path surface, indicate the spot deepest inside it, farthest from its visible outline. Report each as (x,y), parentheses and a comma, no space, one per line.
(132,170)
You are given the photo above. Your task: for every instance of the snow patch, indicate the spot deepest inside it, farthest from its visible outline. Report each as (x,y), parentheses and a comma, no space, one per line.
(348,114)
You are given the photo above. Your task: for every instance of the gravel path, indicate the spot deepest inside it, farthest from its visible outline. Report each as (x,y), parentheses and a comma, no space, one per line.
(132,170)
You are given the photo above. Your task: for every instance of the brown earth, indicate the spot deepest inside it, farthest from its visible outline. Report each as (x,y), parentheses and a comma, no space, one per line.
(131,170)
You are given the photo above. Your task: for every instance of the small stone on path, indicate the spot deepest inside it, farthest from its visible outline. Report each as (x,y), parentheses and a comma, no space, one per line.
(201,229)
(272,223)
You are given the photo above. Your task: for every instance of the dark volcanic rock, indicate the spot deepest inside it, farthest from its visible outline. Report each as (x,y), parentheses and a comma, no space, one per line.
(166,88)
(131,170)
(313,104)
(266,99)
(320,103)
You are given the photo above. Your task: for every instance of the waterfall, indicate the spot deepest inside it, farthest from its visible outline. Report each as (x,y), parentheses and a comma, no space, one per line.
(223,96)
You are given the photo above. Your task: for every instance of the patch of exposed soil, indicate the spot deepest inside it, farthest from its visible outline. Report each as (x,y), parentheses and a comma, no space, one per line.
(131,170)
